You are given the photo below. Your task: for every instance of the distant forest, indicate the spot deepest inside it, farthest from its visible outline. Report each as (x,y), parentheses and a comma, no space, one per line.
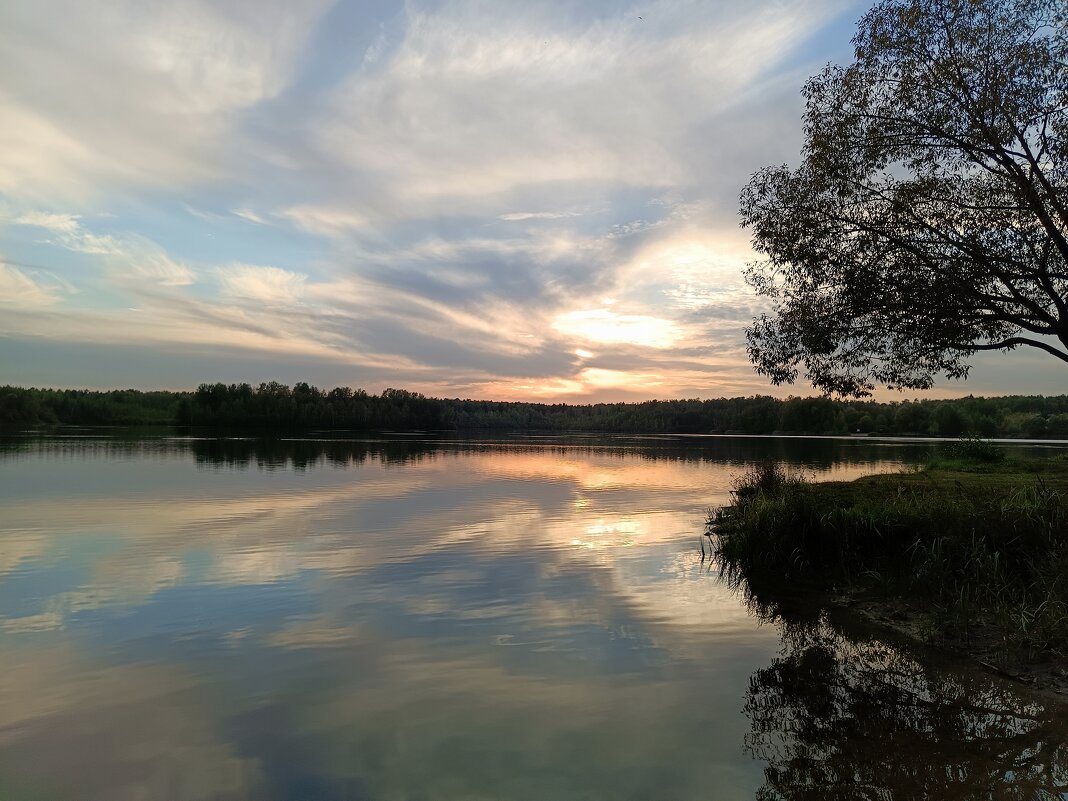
(273,407)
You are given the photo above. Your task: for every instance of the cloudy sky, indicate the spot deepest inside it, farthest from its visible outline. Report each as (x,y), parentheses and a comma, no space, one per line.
(527,200)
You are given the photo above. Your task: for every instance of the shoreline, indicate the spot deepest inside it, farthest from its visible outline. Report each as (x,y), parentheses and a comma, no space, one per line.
(965,555)
(1047,678)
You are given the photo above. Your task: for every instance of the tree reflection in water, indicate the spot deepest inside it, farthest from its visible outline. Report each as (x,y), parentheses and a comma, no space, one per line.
(841,715)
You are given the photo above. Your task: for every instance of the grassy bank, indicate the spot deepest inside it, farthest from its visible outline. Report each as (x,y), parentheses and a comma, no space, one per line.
(974,546)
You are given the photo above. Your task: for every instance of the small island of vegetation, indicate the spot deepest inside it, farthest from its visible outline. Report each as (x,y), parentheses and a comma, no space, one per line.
(970,552)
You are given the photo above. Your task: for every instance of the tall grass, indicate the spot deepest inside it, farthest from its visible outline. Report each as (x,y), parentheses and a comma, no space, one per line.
(981,553)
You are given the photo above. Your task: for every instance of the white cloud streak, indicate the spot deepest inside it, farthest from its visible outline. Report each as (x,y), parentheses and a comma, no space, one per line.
(271,286)
(18,289)
(128,93)
(129,258)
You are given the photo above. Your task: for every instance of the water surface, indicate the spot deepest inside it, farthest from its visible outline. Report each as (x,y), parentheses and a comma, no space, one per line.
(332,619)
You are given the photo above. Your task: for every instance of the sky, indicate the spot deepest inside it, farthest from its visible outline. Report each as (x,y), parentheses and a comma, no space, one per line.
(503,200)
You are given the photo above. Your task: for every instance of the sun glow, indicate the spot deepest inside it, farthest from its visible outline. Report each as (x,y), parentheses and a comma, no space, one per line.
(606,326)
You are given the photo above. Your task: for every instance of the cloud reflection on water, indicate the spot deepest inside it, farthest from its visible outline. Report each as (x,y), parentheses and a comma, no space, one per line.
(355,620)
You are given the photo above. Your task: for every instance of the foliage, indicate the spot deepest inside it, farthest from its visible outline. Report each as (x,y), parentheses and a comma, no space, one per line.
(927,220)
(973,448)
(21,407)
(766,477)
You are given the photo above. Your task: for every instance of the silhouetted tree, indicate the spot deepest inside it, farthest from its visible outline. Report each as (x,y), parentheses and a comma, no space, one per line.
(928,219)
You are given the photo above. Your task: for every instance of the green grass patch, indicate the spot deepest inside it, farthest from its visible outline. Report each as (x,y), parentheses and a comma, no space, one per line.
(982,543)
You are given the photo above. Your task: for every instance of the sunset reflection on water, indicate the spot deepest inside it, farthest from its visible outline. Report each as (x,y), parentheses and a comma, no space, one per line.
(203,619)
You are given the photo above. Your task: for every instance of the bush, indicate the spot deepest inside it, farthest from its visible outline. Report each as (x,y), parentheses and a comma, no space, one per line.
(764,477)
(973,448)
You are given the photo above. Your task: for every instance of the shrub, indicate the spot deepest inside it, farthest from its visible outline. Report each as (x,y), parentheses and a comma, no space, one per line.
(973,448)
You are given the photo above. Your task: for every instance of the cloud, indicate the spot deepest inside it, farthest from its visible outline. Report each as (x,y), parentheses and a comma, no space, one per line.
(535,199)
(60,223)
(605,325)
(19,289)
(323,219)
(474,104)
(268,285)
(516,216)
(250,215)
(135,95)
(140,259)
(129,257)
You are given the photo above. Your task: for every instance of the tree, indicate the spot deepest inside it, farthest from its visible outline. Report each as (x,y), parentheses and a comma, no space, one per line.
(929,217)
(951,422)
(911,418)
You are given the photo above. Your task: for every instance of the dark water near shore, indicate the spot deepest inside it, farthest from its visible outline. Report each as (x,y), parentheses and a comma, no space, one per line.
(526,618)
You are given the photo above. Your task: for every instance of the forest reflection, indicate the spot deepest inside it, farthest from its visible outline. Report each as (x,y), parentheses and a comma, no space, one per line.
(301,454)
(844,715)
(840,456)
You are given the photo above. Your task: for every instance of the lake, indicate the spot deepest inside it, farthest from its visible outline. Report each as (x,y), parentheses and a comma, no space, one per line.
(428,618)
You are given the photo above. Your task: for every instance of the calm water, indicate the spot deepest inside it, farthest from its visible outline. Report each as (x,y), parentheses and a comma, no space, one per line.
(331,620)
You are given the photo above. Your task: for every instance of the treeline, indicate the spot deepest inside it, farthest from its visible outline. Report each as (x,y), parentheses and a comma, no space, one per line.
(277,407)
(124,407)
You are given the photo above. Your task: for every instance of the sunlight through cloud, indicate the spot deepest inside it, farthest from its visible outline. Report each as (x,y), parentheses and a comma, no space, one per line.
(605,325)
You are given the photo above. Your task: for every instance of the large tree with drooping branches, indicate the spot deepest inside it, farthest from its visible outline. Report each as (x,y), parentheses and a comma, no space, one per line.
(928,219)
